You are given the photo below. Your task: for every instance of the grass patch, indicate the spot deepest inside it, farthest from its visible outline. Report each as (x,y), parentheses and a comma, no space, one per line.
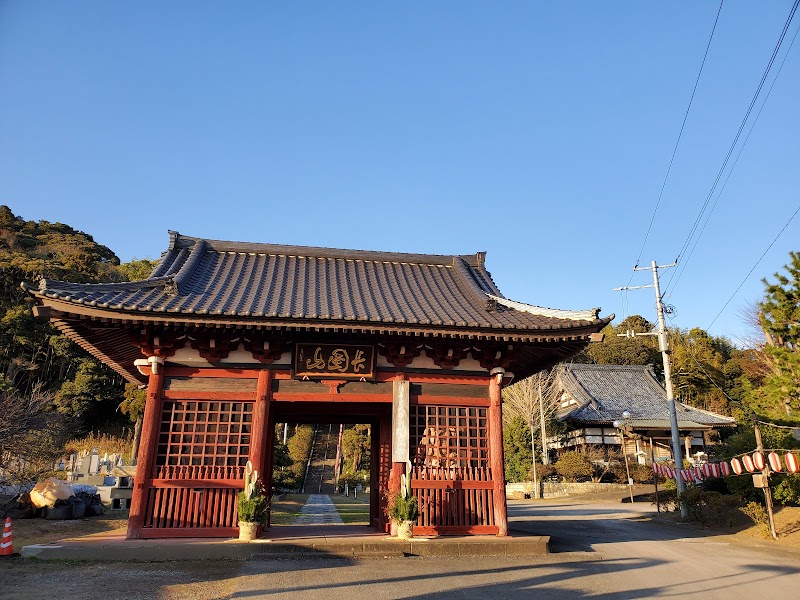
(353,511)
(286,507)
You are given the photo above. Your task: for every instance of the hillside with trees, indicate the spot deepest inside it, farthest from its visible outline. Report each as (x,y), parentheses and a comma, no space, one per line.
(50,389)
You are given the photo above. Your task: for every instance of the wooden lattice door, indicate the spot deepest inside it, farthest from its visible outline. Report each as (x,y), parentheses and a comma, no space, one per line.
(450,472)
(203,447)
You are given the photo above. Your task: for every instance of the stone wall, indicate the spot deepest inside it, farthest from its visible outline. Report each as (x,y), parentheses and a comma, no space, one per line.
(559,490)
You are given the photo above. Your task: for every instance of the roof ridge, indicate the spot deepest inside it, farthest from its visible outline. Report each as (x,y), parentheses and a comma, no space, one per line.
(189,265)
(179,241)
(611,367)
(46,285)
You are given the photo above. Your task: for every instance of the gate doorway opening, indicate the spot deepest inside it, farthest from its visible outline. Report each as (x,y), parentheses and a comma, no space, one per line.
(331,450)
(323,471)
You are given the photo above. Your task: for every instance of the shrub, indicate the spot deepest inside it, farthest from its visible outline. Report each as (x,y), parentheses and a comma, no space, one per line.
(282,480)
(574,466)
(641,473)
(788,491)
(711,508)
(668,500)
(542,471)
(758,514)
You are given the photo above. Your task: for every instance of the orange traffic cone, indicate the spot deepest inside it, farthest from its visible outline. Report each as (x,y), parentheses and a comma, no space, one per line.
(7,545)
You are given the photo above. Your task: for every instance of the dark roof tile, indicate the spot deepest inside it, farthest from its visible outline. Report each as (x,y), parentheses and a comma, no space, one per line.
(603,392)
(212,277)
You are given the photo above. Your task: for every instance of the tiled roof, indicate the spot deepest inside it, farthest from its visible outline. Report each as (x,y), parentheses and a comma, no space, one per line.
(603,392)
(264,282)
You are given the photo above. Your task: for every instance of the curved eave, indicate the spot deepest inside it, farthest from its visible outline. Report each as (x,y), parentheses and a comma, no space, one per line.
(102,344)
(576,331)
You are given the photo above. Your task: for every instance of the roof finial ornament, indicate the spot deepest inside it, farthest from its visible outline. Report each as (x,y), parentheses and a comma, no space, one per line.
(171,288)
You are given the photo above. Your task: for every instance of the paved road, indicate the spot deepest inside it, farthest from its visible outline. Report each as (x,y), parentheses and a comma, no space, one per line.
(604,552)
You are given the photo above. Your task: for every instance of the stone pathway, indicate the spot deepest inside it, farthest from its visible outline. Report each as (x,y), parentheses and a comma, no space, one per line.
(318,510)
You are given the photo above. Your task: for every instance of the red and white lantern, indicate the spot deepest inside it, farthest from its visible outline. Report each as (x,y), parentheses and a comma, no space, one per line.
(715,470)
(775,462)
(758,460)
(736,465)
(698,474)
(706,468)
(684,474)
(791,462)
(748,463)
(725,468)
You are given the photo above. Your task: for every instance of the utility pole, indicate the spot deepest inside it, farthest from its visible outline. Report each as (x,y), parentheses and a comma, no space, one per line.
(765,473)
(545,453)
(663,346)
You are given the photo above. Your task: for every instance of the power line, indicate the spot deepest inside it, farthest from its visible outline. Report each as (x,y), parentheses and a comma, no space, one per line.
(767,70)
(678,141)
(736,291)
(735,162)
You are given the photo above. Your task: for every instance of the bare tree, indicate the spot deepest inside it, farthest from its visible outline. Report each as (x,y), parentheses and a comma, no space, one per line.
(32,436)
(535,400)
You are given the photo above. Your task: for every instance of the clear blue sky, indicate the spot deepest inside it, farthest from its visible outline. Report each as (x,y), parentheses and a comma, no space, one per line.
(539,132)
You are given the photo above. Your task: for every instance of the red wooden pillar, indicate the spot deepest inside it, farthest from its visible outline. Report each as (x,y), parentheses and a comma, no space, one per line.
(260,434)
(496,453)
(145,463)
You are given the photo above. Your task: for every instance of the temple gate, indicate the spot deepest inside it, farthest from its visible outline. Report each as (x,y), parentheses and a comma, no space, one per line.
(231,338)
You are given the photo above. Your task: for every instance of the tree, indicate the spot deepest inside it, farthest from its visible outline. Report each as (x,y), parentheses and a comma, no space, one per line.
(699,368)
(33,354)
(780,320)
(517,449)
(300,448)
(616,350)
(355,445)
(529,401)
(32,436)
(137,269)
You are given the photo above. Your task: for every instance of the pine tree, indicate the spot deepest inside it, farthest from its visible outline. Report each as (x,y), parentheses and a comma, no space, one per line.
(780,320)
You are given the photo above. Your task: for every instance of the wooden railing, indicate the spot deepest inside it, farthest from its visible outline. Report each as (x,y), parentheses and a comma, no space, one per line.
(458,500)
(193,501)
(195,472)
(191,509)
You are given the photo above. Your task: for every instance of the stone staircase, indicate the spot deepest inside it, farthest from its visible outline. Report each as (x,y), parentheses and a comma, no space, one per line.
(321,475)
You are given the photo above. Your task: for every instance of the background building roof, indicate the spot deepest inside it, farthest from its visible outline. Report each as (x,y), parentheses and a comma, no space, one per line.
(603,392)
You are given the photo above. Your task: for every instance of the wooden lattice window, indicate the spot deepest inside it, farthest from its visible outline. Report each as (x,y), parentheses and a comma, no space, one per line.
(201,433)
(449,436)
